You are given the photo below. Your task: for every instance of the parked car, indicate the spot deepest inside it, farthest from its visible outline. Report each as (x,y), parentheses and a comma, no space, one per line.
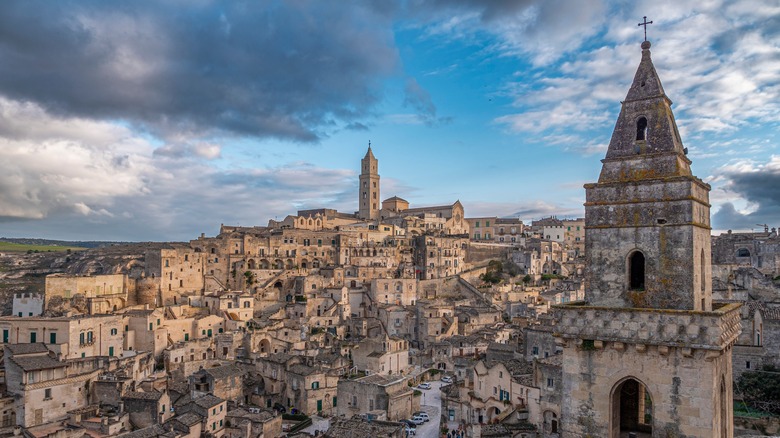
(418,420)
(422,415)
(411,430)
(446,379)
(424,385)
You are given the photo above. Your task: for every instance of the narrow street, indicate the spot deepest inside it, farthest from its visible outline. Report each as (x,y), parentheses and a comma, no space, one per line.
(430,403)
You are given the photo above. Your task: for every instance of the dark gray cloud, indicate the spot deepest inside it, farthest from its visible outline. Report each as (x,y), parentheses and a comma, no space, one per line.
(757,185)
(760,187)
(265,69)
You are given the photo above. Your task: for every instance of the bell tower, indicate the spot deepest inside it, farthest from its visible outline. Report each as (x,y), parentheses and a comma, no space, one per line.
(648,218)
(647,352)
(368,191)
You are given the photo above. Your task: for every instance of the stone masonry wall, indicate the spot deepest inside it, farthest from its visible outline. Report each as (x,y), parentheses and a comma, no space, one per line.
(682,383)
(671,328)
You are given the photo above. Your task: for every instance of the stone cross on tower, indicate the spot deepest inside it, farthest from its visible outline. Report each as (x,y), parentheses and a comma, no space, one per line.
(645,23)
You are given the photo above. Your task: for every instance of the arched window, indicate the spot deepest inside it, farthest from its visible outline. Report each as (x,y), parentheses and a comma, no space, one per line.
(743,252)
(636,271)
(641,129)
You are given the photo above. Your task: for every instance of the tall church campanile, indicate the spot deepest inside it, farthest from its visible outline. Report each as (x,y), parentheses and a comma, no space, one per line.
(648,352)
(368,192)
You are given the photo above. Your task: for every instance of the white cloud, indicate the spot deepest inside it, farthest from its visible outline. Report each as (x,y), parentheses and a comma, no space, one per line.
(86,179)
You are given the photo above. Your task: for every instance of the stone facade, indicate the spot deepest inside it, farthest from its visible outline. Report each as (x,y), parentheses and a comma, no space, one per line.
(648,352)
(371,393)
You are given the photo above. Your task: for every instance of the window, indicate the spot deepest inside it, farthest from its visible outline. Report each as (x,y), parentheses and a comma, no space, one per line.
(636,262)
(641,129)
(535,351)
(487,223)
(476,224)
(550,382)
(742,252)
(47,394)
(114,331)
(315,385)
(747,365)
(52,338)
(5,336)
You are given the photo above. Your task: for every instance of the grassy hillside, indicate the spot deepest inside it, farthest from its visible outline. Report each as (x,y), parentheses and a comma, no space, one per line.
(18,247)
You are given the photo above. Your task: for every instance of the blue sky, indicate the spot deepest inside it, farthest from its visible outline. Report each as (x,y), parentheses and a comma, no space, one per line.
(161,120)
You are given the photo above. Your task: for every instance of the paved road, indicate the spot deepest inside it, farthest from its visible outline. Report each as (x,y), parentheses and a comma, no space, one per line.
(430,404)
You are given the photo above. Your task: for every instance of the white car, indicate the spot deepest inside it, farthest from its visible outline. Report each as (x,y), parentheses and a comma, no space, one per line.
(422,415)
(446,379)
(418,420)
(410,430)
(424,386)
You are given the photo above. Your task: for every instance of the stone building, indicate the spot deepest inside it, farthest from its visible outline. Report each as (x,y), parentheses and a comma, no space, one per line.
(229,382)
(34,379)
(389,394)
(27,304)
(647,352)
(147,408)
(253,423)
(759,343)
(386,355)
(104,293)
(70,337)
(210,409)
(574,236)
(439,257)
(759,250)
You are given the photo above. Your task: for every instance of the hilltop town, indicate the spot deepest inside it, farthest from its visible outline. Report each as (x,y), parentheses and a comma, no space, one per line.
(399,319)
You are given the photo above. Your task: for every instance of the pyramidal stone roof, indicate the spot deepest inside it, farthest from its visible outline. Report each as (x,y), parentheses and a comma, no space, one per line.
(645,143)
(369,154)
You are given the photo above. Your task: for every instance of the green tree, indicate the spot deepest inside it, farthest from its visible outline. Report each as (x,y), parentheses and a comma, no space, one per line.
(250,278)
(760,389)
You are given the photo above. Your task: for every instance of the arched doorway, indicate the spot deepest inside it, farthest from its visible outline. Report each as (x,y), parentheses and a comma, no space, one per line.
(550,422)
(632,409)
